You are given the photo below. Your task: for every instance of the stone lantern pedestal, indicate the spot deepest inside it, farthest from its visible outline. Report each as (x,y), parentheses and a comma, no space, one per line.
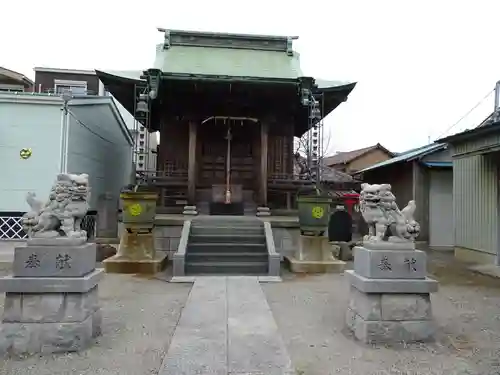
(136,252)
(314,255)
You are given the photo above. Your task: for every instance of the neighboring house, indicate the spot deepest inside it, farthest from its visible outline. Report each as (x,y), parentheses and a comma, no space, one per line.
(353,161)
(86,82)
(33,151)
(476,162)
(56,81)
(11,81)
(424,174)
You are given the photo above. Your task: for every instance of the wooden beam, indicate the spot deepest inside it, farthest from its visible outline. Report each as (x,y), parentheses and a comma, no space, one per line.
(264,129)
(193,130)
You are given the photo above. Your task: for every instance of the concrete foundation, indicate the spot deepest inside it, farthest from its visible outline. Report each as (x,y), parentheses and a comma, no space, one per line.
(136,254)
(118,264)
(314,255)
(310,266)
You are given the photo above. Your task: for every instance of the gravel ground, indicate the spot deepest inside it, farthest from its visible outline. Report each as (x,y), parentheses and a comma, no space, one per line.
(310,314)
(139,318)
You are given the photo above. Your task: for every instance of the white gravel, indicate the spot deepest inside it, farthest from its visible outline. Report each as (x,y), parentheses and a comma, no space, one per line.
(139,318)
(310,314)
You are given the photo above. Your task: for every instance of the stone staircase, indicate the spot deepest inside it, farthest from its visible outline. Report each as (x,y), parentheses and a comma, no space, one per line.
(226,245)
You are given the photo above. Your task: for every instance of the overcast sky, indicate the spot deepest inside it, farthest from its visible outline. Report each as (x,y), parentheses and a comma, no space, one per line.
(420,65)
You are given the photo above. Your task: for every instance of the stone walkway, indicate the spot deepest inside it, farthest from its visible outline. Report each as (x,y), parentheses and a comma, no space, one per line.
(227,328)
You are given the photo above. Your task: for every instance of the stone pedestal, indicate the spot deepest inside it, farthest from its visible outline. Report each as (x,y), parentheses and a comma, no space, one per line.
(390,295)
(107,216)
(342,250)
(136,254)
(314,255)
(190,210)
(51,300)
(263,211)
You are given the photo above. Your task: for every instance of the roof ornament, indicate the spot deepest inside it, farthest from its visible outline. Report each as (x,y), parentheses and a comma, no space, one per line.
(166,42)
(289,46)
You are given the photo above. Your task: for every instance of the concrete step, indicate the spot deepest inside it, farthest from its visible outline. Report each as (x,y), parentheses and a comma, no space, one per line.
(231,220)
(234,230)
(228,238)
(226,268)
(224,257)
(214,247)
(228,223)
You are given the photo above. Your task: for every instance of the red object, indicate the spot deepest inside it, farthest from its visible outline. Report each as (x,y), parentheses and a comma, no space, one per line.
(351,199)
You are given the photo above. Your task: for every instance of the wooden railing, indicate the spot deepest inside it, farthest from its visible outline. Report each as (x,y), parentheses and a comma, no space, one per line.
(287,181)
(165,178)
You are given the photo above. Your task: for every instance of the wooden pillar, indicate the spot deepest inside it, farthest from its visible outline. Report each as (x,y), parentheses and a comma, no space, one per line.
(193,127)
(291,156)
(264,130)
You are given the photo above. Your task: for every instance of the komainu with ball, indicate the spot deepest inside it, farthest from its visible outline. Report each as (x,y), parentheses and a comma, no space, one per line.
(378,206)
(61,216)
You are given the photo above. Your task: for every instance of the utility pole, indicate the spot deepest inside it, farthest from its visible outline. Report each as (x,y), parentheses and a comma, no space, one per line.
(496,115)
(66,97)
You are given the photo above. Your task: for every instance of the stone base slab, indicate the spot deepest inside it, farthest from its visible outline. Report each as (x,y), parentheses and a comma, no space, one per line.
(389,245)
(118,264)
(50,307)
(312,266)
(54,261)
(11,284)
(406,286)
(56,241)
(390,318)
(46,338)
(49,322)
(390,264)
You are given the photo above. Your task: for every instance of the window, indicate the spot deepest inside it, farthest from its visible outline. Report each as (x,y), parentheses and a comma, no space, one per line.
(141,143)
(11,88)
(141,136)
(76,87)
(141,157)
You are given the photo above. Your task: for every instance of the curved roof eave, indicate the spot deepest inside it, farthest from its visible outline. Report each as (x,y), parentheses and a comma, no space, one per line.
(334,93)
(122,86)
(130,76)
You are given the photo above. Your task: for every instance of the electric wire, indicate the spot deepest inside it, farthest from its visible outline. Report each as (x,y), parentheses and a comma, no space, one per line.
(88,128)
(466,114)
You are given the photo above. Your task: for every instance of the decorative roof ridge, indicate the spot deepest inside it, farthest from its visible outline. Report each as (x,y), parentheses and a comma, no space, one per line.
(227,40)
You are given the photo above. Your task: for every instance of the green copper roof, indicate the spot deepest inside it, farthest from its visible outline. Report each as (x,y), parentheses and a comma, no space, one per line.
(234,62)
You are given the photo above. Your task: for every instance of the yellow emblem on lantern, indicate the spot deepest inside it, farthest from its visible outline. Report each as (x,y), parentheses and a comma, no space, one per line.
(135,209)
(25,153)
(318,212)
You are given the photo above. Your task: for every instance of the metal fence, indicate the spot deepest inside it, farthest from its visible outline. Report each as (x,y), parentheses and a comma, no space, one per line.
(12,229)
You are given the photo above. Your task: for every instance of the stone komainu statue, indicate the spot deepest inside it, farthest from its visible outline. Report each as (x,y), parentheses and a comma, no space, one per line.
(378,206)
(62,214)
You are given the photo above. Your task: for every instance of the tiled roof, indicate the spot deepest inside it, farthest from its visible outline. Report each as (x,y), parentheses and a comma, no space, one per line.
(408,155)
(333,175)
(15,75)
(228,62)
(348,156)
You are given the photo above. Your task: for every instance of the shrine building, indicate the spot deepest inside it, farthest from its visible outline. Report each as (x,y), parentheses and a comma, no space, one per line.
(227,107)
